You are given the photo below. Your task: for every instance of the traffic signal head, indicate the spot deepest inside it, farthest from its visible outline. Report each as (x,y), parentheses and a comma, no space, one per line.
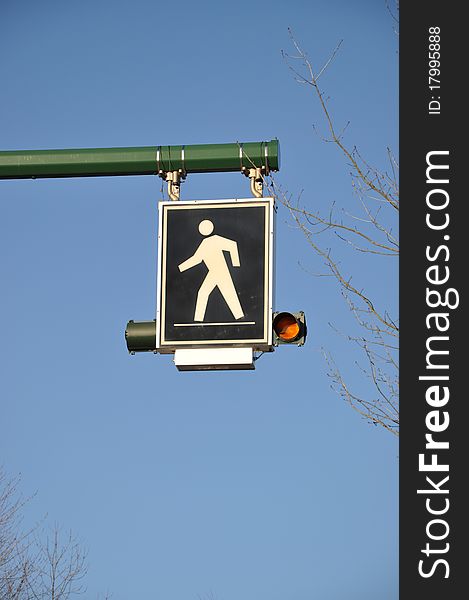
(289,328)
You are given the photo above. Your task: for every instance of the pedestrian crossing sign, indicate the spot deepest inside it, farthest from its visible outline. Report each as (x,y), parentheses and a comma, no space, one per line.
(215,270)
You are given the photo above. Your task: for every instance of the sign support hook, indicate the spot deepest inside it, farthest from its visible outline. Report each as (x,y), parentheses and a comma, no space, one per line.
(255,174)
(173,178)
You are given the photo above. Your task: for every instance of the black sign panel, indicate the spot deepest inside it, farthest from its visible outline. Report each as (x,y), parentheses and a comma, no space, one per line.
(215,273)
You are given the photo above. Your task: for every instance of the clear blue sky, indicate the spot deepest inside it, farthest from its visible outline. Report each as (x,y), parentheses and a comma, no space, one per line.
(258,485)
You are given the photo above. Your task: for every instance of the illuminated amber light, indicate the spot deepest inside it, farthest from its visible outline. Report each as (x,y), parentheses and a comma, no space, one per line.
(286,327)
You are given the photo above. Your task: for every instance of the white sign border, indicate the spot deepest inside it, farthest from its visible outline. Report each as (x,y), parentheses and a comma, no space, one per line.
(264,344)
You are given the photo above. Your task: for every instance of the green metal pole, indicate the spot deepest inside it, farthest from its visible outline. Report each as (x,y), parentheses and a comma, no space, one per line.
(148,160)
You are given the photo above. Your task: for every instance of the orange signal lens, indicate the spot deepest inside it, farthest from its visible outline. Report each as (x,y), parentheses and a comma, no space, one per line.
(286,327)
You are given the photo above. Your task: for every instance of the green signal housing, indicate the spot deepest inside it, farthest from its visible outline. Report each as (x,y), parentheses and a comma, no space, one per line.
(140,336)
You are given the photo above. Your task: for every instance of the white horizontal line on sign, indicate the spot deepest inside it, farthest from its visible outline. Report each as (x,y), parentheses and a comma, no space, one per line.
(205,324)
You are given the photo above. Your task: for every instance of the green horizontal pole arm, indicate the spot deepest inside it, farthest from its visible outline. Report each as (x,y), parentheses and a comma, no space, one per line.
(147,160)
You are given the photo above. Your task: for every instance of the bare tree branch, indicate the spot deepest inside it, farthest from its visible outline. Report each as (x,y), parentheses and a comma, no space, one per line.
(33,566)
(369,233)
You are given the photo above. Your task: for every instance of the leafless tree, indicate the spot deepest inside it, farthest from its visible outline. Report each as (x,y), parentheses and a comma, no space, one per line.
(60,567)
(35,565)
(209,596)
(369,233)
(15,565)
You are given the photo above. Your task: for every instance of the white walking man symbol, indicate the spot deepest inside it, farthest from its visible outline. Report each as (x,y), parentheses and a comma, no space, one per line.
(210,251)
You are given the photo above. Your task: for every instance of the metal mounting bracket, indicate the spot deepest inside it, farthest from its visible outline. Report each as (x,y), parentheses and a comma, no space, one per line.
(173,178)
(256,176)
